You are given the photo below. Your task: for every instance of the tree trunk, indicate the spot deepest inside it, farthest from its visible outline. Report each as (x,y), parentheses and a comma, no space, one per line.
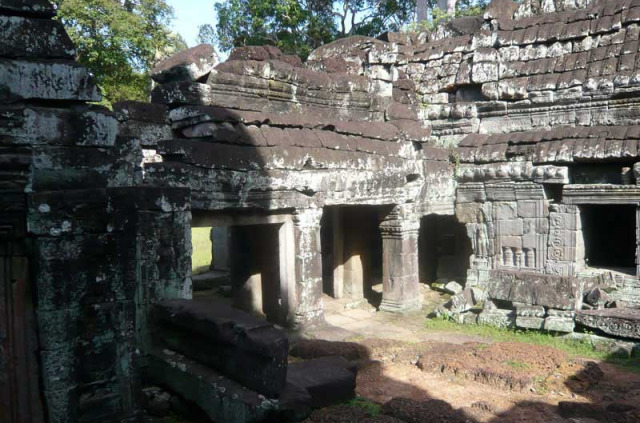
(422,10)
(448,5)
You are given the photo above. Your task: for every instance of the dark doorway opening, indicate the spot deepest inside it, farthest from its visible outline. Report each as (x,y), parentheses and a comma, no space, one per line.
(444,249)
(352,253)
(610,236)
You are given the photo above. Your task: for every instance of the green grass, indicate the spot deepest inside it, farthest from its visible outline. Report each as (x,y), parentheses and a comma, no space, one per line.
(515,364)
(202,250)
(582,348)
(370,407)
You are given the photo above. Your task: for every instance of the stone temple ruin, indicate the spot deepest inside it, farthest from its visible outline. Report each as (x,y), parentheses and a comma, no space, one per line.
(500,151)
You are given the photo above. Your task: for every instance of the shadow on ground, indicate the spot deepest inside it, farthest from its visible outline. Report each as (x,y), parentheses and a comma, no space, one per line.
(476,383)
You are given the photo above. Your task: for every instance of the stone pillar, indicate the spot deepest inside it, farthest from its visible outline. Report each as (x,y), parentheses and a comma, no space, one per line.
(220,246)
(400,276)
(308,267)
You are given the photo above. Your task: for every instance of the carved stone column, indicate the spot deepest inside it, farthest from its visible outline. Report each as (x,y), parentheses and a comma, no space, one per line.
(400,278)
(308,267)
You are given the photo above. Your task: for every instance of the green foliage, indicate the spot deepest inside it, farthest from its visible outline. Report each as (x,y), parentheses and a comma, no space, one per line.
(370,407)
(515,364)
(438,16)
(299,26)
(120,41)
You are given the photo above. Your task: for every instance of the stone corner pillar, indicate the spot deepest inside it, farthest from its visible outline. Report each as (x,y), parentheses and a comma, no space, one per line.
(400,274)
(309,309)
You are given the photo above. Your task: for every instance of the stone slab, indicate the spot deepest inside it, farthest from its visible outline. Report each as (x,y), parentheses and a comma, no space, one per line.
(624,323)
(530,288)
(329,380)
(239,345)
(24,80)
(222,399)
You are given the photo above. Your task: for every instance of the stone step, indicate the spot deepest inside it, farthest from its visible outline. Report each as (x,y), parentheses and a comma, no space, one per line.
(328,380)
(222,399)
(240,346)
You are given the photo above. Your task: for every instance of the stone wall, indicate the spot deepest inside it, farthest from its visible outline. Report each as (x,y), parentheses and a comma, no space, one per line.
(80,247)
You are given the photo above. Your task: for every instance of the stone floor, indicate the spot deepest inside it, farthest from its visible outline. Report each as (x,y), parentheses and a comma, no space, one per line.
(348,321)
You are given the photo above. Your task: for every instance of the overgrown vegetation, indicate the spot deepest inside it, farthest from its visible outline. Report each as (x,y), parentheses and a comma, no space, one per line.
(582,348)
(120,42)
(370,407)
(438,16)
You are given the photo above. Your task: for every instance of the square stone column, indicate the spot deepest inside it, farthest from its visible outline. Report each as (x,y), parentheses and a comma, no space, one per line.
(400,275)
(309,309)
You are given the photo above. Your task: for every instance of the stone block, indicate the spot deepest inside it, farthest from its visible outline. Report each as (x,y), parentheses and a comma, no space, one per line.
(559,324)
(525,310)
(328,380)
(24,80)
(239,345)
(498,317)
(532,208)
(505,211)
(535,323)
(501,192)
(620,322)
(462,301)
(512,227)
(534,289)
(188,65)
(222,399)
(37,38)
(41,8)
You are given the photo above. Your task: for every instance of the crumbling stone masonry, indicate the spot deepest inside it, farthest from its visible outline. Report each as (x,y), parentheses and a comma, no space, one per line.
(516,132)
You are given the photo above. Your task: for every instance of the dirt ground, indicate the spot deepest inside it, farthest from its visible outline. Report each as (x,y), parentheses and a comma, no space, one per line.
(417,376)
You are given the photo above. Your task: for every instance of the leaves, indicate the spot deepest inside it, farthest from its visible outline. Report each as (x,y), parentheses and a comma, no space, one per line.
(120,41)
(299,26)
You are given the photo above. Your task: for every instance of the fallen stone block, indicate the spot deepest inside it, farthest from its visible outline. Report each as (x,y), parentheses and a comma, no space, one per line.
(624,323)
(239,345)
(530,288)
(188,65)
(328,380)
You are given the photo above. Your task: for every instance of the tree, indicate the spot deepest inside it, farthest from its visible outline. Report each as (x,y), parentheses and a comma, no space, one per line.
(299,26)
(120,41)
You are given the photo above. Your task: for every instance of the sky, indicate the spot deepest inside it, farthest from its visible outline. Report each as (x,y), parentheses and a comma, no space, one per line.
(190,14)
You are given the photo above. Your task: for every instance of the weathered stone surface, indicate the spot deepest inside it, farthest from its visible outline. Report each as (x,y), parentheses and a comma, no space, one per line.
(188,65)
(220,398)
(22,80)
(41,8)
(624,323)
(245,348)
(530,288)
(35,38)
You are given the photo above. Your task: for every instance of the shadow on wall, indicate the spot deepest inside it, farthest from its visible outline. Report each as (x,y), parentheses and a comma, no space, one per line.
(509,371)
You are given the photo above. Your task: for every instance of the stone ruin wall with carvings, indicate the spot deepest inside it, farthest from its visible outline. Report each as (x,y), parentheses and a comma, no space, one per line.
(511,126)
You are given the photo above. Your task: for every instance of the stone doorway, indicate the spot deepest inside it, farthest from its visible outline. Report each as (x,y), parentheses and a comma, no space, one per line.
(258,255)
(610,236)
(444,249)
(352,253)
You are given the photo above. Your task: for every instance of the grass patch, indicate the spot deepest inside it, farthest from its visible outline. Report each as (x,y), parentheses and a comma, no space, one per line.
(578,348)
(515,364)
(202,250)
(370,407)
